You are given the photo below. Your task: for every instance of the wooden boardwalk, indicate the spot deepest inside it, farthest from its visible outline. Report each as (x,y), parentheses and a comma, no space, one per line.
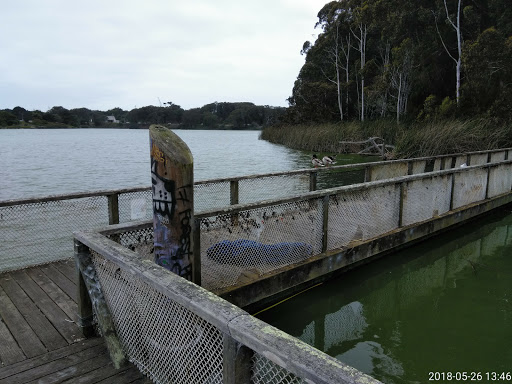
(40,342)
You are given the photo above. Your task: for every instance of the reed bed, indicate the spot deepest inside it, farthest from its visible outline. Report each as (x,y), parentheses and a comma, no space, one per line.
(413,140)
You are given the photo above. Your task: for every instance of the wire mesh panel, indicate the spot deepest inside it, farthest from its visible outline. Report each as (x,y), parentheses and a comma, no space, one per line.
(497,156)
(338,177)
(500,180)
(211,195)
(437,164)
(461,160)
(41,232)
(240,247)
(362,214)
(140,240)
(448,162)
(388,171)
(469,187)
(478,158)
(163,339)
(265,371)
(418,166)
(426,198)
(272,187)
(135,206)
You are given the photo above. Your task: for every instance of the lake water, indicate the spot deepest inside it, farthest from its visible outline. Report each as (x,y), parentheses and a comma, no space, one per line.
(40,162)
(442,306)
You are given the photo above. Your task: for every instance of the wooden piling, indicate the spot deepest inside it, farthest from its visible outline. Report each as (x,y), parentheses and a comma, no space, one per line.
(172,180)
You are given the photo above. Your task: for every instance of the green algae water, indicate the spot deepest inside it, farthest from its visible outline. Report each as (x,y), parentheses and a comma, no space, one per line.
(429,313)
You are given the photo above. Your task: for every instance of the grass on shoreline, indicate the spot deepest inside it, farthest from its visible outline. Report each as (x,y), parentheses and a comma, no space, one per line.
(415,140)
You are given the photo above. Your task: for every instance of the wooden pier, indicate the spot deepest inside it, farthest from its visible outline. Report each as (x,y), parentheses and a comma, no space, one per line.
(40,341)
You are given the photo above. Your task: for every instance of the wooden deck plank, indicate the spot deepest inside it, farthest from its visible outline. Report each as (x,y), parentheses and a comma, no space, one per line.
(65,362)
(64,302)
(67,268)
(66,327)
(75,372)
(25,365)
(9,352)
(106,372)
(19,328)
(67,285)
(34,317)
(131,375)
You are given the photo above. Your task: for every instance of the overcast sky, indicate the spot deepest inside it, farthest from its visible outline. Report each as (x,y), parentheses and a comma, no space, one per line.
(102,54)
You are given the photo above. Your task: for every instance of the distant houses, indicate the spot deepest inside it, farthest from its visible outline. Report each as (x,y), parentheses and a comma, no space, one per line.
(112,119)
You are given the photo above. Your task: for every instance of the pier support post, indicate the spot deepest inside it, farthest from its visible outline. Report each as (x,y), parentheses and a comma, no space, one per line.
(91,296)
(236,362)
(172,177)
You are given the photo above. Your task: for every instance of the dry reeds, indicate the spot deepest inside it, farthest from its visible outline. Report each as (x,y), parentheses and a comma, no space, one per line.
(416,140)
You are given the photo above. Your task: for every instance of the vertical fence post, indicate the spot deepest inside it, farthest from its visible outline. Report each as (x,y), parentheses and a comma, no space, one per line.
(410,168)
(367,173)
(233,192)
(452,192)
(312,180)
(325,223)
(90,280)
(236,364)
(488,179)
(172,177)
(113,208)
(196,252)
(85,313)
(403,194)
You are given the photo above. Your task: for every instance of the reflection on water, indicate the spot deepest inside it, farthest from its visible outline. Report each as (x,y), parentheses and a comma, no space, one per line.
(444,305)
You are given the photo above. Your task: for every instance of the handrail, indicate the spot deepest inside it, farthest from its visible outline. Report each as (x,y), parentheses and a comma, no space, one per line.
(236,324)
(311,171)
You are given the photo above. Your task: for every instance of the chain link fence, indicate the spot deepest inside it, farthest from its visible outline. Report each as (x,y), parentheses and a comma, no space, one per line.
(177,332)
(38,231)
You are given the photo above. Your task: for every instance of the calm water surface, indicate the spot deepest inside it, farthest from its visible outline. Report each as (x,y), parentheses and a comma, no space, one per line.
(57,161)
(442,306)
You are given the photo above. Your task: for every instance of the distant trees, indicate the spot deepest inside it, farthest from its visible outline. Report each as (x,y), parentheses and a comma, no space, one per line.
(394,59)
(222,115)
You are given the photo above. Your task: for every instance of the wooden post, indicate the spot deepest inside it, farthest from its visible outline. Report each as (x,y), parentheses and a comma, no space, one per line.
(233,192)
(95,293)
(113,209)
(85,314)
(325,222)
(172,177)
(236,362)
(312,181)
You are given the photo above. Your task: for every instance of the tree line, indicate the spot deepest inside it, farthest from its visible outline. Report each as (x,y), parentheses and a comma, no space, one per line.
(217,115)
(406,60)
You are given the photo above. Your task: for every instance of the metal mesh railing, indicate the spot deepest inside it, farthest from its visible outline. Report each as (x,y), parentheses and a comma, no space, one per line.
(362,214)
(37,231)
(211,195)
(245,243)
(426,198)
(40,231)
(243,246)
(257,189)
(265,371)
(177,332)
(165,340)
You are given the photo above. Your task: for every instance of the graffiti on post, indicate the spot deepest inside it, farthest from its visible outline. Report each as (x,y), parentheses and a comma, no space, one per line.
(164,202)
(172,216)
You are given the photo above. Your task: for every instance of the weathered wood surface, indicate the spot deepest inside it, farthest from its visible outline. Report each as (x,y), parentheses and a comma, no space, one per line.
(39,339)
(172,177)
